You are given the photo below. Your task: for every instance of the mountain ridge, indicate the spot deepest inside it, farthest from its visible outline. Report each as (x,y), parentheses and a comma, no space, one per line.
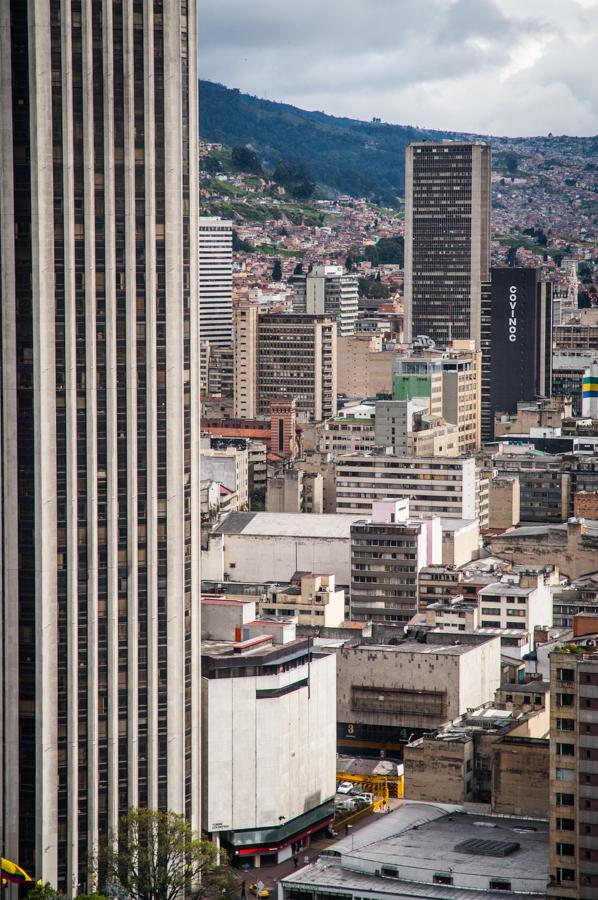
(352,156)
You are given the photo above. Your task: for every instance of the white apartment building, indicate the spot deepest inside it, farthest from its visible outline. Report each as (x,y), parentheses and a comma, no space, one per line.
(328,290)
(518,601)
(435,486)
(216,280)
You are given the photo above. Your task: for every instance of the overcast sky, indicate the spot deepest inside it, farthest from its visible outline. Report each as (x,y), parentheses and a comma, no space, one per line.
(512,67)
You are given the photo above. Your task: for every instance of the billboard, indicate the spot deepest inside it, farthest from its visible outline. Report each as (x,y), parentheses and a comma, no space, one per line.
(515,333)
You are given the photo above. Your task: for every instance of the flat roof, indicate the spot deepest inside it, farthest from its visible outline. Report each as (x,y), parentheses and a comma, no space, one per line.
(425,836)
(505,587)
(265,524)
(417,647)
(530,687)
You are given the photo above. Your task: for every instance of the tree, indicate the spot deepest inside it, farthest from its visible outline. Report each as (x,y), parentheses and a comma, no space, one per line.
(246,159)
(512,256)
(511,162)
(298,270)
(155,855)
(277,271)
(45,891)
(349,263)
(241,243)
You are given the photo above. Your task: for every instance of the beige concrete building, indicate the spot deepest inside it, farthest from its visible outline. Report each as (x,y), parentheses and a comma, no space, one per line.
(462,393)
(503,502)
(387,693)
(352,430)
(364,367)
(460,541)
(295,491)
(490,757)
(407,429)
(573,776)
(245,362)
(539,414)
(571,547)
(315,601)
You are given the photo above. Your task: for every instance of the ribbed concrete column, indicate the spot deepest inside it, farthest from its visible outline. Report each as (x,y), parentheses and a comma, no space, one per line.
(44,391)
(195,427)
(174,406)
(70,400)
(9,556)
(131,368)
(151,401)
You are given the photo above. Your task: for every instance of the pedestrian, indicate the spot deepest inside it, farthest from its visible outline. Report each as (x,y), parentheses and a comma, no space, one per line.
(296,859)
(244,890)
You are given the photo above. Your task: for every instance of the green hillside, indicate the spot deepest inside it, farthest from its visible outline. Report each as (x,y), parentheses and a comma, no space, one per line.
(363,159)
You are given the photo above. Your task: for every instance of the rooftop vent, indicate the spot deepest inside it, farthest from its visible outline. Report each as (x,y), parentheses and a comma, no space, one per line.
(477,847)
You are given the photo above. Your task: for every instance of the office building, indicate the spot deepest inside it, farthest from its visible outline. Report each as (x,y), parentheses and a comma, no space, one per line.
(282,357)
(435,486)
(451,382)
(297,360)
(268,733)
(544,483)
(447,239)
(99,624)
(417,376)
(516,342)
(387,552)
(406,428)
(328,291)
(245,362)
(352,430)
(573,778)
(216,280)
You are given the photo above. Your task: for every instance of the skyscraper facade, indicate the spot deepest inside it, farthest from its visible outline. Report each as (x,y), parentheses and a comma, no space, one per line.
(216,280)
(447,239)
(516,342)
(99,393)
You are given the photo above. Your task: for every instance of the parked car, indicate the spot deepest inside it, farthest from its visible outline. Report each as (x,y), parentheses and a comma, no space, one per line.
(345,787)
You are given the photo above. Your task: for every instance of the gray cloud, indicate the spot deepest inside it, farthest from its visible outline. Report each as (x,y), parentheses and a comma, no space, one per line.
(485,66)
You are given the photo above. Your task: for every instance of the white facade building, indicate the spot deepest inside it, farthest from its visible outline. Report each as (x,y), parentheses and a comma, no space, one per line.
(435,486)
(516,602)
(229,467)
(216,280)
(268,733)
(328,290)
(258,546)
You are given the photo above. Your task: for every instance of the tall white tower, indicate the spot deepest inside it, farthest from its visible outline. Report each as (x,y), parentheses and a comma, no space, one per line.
(216,280)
